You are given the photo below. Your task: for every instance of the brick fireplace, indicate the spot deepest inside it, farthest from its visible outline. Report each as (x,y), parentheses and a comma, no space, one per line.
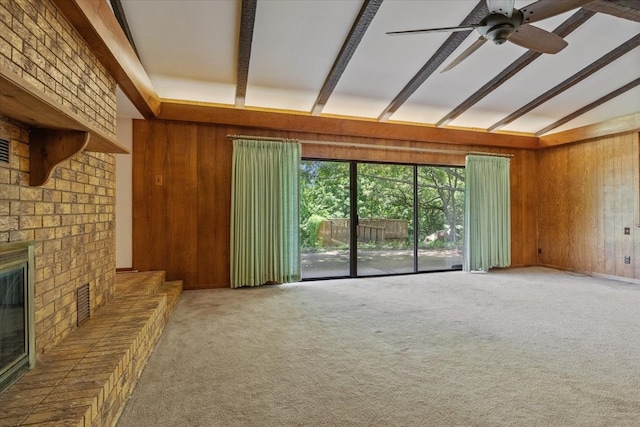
(72,221)
(71,218)
(17,340)
(57,196)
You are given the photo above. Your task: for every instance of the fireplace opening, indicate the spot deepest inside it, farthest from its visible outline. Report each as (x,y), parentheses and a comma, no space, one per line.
(17,340)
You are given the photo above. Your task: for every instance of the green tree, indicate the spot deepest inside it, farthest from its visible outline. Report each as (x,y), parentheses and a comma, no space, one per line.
(384,191)
(324,194)
(441,200)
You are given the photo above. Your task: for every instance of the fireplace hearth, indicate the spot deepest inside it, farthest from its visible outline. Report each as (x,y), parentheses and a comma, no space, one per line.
(17,340)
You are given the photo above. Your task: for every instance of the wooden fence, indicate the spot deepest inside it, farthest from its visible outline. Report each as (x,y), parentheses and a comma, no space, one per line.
(335,232)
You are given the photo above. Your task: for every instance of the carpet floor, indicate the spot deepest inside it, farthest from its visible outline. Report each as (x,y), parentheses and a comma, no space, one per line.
(521,347)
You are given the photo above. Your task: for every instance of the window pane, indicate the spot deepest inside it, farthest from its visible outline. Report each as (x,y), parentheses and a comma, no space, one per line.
(440,217)
(324,218)
(385,223)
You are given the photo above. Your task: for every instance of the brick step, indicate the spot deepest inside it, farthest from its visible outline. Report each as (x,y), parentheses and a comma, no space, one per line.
(85,380)
(173,290)
(139,283)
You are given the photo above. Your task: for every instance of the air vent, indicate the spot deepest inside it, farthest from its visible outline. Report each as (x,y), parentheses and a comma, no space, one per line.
(83,304)
(4,151)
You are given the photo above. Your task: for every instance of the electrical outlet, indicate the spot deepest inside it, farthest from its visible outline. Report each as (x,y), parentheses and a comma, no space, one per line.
(627,260)
(539,251)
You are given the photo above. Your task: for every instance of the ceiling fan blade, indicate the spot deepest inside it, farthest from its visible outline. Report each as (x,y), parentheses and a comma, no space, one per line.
(537,39)
(544,9)
(464,55)
(435,30)
(504,7)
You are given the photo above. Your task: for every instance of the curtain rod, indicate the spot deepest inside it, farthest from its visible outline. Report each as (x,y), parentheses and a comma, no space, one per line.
(357,145)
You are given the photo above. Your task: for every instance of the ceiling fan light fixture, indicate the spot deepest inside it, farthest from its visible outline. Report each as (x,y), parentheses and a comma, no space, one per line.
(497,27)
(500,33)
(500,26)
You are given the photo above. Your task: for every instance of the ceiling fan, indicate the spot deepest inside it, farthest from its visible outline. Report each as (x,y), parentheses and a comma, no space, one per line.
(505,23)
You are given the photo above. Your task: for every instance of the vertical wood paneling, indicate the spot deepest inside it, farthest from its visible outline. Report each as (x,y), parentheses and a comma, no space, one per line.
(529,191)
(181,190)
(618,218)
(515,179)
(183,226)
(208,216)
(214,206)
(628,204)
(554,222)
(575,182)
(164,199)
(524,196)
(609,197)
(140,231)
(546,182)
(598,189)
(149,213)
(542,211)
(561,249)
(589,171)
(588,193)
(635,154)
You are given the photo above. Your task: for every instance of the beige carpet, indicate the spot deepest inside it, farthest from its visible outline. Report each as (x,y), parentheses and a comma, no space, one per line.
(522,347)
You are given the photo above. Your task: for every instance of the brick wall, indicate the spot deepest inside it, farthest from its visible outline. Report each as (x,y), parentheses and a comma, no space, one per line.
(72,220)
(38,43)
(72,217)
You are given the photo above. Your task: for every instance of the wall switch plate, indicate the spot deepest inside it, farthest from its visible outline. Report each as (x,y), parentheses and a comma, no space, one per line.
(627,260)
(158,180)
(627,230)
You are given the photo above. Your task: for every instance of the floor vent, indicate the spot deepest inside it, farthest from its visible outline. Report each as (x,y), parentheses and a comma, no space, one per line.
(4,151)
(83,304)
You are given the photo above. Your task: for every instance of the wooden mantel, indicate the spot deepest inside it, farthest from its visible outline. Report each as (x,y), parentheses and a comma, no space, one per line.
(57,132)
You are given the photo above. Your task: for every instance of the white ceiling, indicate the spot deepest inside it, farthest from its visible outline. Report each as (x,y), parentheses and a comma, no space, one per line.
(189,48)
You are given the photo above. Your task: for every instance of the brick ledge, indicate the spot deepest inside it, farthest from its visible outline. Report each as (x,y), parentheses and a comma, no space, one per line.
(85,380)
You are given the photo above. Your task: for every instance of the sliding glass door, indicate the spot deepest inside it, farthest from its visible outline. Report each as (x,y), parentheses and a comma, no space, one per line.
(440,208)
(385,219)
(367,219)
(325,219)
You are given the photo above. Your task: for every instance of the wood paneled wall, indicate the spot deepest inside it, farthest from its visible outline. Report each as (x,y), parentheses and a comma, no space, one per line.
(181,201)
(182,193)
(588,193)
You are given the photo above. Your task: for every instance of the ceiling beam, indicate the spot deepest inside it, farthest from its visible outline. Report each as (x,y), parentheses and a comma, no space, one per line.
(605,60)
(94,20)
(590,106)
(338,126)
(121,16)
(367,13)
(563,30)
(629,123)
(247,22)
(445,50)
(625,9)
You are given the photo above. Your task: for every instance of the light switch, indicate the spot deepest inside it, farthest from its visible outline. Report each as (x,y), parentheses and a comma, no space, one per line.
(158,180)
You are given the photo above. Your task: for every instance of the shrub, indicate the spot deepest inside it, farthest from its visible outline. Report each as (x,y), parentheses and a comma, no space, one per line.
(310,231)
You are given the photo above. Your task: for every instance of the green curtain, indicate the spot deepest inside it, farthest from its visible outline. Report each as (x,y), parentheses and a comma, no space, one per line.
(487,231)
(264,213)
